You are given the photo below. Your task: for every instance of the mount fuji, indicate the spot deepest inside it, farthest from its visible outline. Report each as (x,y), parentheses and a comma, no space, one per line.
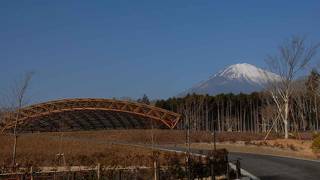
(237,78)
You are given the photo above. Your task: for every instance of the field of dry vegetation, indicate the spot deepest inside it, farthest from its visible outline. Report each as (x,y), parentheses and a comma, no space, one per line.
(87,148)
(93,147)
(160,136)
(41,150)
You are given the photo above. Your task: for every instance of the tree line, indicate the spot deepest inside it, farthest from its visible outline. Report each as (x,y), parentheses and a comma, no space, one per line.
(287,104)
(255,112)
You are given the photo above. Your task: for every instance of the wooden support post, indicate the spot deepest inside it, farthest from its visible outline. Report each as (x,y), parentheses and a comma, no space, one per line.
(73,176)
(188,166)
(238,168)
(31,173)
(119,174)
(136,174)
(98,171)
(156,170)
(228,167)
(212,173)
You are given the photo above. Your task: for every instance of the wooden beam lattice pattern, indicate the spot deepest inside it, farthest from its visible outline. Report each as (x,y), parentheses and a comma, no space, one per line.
(76,107)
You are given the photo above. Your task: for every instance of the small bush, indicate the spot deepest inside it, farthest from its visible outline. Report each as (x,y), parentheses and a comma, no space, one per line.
(315,135)
(292,147)
(316,145)
(279,145)
(175,169)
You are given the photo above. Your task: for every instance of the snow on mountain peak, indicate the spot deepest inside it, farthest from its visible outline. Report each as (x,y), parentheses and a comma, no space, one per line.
(237,78)
(247,72)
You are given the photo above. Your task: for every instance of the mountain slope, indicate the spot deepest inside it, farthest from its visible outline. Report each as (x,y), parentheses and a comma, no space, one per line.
(237,78)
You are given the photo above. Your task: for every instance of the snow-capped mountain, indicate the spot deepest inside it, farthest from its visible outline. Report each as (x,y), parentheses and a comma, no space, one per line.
(237,78)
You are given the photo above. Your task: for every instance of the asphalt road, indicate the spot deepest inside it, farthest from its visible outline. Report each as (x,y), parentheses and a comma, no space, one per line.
(268,167)
(278,168)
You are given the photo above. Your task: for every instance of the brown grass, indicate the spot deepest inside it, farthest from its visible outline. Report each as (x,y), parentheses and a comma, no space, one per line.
(161,136)
(277,147)
(91,147)
(41,150)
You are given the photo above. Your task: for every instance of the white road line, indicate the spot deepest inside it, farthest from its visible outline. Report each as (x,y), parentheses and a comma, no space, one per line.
(244,172)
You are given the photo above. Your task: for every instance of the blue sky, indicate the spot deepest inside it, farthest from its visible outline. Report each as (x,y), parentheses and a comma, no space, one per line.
(127,48)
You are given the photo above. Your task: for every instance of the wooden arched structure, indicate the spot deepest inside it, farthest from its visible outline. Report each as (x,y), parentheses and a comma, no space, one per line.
(88,114)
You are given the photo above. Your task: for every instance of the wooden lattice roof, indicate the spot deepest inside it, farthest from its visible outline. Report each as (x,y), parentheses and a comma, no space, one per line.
(88,114)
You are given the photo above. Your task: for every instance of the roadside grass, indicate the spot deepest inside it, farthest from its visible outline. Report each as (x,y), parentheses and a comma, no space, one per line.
(316,144)
(277,147)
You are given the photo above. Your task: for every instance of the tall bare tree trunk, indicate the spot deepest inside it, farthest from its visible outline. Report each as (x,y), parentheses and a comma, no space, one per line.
(285,119)
(20,97)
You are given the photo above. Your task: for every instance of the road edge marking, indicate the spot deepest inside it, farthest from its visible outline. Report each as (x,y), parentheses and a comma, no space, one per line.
(244,172)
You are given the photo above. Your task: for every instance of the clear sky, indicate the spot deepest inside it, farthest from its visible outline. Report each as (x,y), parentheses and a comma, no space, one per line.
(122,48)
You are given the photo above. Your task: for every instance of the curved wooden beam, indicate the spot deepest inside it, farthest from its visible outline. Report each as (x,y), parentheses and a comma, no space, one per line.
(33,112)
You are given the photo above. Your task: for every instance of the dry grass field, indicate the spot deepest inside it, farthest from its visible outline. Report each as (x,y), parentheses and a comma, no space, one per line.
(41,150)
(92,147)
(87,148)
(160,136)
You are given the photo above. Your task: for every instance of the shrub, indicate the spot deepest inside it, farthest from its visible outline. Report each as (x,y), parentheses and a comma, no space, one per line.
(316,144)
(175,169)
(315,135)
(279,145)
(292,147)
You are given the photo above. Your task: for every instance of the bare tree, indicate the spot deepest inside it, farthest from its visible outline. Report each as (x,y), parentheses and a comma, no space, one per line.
(293,56)
(19,99)
(187,110)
